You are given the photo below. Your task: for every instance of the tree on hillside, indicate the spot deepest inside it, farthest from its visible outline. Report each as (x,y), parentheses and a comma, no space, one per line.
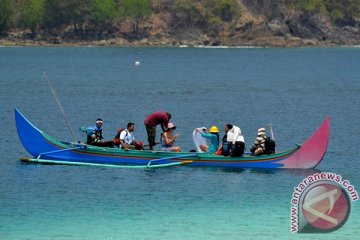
(344,12)
(189,13)
(208,16)
(31,14)
(226,10)
(341,12)
(55,14)
(137,11)
(102,12)
(80,11)
(5,14)
(58,14)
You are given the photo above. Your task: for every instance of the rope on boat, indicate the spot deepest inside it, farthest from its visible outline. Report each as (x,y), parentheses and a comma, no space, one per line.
(45,161)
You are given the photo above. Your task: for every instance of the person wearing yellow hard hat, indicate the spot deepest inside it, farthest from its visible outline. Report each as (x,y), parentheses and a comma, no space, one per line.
(213,135)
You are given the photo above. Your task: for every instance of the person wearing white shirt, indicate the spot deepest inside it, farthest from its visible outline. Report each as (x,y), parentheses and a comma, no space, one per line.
(236,142)
(127,138)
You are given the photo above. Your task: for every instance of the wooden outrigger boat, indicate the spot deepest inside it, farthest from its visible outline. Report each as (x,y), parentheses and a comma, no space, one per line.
(46,149)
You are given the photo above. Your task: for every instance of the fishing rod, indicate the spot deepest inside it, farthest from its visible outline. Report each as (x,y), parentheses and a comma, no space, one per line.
(61,108)
(271,131)
(272,136)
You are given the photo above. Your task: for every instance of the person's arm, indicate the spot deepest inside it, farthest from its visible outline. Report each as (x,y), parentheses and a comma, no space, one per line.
(163,127)
(169,140)
(206,135)
(220,147)
(236,134)
(123,144)
(202,131)
(165,122)
(122,138)
(92,135)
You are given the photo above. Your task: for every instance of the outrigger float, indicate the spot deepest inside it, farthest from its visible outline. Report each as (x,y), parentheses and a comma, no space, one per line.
(48,150)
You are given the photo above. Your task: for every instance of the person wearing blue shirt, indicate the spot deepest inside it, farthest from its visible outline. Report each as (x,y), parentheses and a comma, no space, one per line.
(214,140)
(95,135)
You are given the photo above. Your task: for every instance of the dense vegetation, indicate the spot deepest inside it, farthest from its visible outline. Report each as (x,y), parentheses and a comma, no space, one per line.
(341,12)
(101,18)
(52,15)
(103,14)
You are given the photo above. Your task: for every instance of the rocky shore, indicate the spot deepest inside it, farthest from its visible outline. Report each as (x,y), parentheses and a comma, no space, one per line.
(200,41)
(260,25)
(257,38)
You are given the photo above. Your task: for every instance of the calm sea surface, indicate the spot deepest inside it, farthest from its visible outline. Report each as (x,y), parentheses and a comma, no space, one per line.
(294,89)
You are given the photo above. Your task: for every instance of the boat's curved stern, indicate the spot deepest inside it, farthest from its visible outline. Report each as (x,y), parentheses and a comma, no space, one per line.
(312,150)
(31,137)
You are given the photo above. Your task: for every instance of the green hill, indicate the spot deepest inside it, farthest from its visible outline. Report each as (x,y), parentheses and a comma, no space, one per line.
(181,22)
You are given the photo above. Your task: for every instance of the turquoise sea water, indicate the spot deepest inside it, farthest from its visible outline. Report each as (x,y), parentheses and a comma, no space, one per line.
(294,89)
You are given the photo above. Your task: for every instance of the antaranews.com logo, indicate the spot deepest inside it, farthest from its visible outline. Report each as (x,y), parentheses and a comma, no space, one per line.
(321,203)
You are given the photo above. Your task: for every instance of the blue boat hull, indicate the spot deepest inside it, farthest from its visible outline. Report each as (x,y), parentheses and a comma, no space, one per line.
(42,146)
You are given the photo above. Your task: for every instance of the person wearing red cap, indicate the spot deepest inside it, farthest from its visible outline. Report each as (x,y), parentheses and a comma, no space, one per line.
(151,121)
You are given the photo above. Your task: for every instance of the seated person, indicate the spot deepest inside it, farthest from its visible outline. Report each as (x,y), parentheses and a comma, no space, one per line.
(259,145)
(214,138)
(127,138)
(95,135)
(223,148)
(168,139)
(235,141)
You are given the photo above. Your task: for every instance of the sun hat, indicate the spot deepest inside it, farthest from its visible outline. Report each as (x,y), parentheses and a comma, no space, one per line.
(214,129)
(261,131)
(171,126)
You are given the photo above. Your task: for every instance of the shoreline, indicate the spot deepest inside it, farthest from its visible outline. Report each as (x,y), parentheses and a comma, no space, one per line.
(168,43)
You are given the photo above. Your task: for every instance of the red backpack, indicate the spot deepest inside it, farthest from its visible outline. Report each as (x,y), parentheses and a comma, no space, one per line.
(117,137)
